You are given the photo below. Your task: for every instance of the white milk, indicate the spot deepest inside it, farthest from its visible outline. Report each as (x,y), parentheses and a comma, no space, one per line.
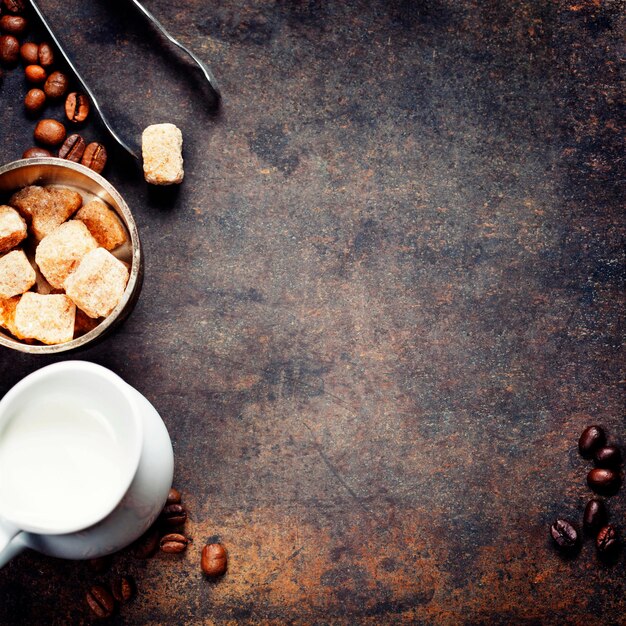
(60,463)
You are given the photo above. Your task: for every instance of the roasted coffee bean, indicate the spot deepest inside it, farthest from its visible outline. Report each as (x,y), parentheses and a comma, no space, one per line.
(606,541)
(76,107)
(9,50)
(214,559)
(14,6)
(13,24)
(95,157)
(50,132)
(45,55)
(173,497)
(56,85)
(73,148)
(35,152)
(35,74)
(123,589)
(592,438)
(595,516)
(174,543)
(35,100)
(101,564)
(173,515)
(100,601)
(609,456)
(564,534)
(147,544)
(603,480)
(30,53)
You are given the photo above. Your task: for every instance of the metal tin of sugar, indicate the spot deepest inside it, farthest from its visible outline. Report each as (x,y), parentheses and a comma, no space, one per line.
(58,172)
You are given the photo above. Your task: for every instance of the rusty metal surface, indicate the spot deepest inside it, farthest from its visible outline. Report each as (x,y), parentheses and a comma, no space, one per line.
(377,313)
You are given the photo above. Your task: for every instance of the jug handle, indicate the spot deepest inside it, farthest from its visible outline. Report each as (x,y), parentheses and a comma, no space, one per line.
(8,547)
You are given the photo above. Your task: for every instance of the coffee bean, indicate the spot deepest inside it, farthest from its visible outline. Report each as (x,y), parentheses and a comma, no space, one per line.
(173,515)
(564,534)
(56,85)
(123,589)
(35,152)
(100,564)
(606,541)
(9,50)
(592,438)
(49,132)
(30,53)
(13,24)
(214,559)
(147,544)
(95,157)
(35,100)
(100,601)
(595,514)
(76,107)
(14,6)
(174,543)
(73,148)
(609,456)
(45,54)
(603,480)
(35,74)
(173,497)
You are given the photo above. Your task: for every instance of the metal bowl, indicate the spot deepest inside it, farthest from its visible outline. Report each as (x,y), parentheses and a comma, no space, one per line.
(53,171)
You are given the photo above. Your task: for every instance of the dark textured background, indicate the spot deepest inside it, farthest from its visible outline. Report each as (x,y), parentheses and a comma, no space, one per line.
(377,314)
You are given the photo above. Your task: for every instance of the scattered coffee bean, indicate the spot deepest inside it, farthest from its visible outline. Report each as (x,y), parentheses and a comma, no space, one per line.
(30,53)
(35,100)
(13,24)
(147,544)
(173,497)
(35,74)
(9,50)
(214,559)
(595,516)
(592,438)
(56,85)
(174,543)
(14,6)
(73,148)
(45,54)
(606,540)
(35,152)
(173,515)
(603,480)
(100,601)
(123,589)
(49,132)
(95,157)
(76,107)
(609,456)
(564,534)
(101,564)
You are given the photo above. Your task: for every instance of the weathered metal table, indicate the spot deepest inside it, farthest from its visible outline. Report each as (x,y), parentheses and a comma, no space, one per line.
(376,313)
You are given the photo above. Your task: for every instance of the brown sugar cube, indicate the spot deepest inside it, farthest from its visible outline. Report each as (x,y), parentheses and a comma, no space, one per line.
(12,228)
(98,283)
(7,314)
(49,319)
(103,223)
(162,150)
(16,274)
(59,253)
(46,207)
(83,323)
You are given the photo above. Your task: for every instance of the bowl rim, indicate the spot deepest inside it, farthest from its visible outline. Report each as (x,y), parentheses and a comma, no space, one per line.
(136,255)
